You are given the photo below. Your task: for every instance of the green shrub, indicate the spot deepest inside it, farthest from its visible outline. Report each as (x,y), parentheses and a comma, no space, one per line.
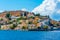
(29,22)
(24,27)
(8,16)
(45,27)
(13,26)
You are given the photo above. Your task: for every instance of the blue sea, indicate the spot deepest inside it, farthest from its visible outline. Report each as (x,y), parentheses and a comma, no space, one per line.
(29,35)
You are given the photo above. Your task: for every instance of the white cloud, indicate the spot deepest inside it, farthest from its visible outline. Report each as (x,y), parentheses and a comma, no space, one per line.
(47,7)
(1,11)
(58,0)
(58,11)
(24,9)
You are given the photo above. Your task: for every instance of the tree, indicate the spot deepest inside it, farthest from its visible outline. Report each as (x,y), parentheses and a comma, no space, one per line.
(1,19)
(32,17)
(29,22)
(24,27)
(37,14)
(8,16)
(45,27)
(0,26)
(13,26)
(39,27)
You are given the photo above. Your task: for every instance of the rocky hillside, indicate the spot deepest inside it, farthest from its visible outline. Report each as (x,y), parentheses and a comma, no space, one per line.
(22,20)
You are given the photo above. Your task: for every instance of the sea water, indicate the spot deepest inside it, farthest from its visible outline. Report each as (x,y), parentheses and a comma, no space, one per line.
(29,35)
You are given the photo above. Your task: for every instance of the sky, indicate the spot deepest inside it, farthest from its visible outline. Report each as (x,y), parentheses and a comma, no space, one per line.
(19,4)
(44,7)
